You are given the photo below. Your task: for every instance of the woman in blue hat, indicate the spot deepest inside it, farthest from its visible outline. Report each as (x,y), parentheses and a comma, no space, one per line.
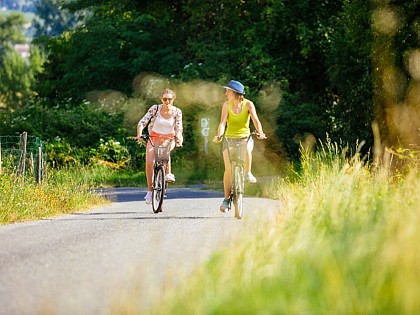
(236,113)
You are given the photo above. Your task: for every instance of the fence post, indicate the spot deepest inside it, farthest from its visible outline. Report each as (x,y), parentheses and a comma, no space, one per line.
(22,165)
(31,164)
(39,165)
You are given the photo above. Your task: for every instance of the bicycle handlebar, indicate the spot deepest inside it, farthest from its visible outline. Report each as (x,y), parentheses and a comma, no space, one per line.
(260,135)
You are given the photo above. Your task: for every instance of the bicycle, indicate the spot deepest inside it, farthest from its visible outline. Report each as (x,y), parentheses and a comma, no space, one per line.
(237,148)
(162,147)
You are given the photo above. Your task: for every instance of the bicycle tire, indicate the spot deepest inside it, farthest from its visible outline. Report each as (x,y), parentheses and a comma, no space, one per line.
(158,189)
(238,191)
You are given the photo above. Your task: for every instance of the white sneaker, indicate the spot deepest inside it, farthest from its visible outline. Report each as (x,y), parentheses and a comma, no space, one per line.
(251,178)
(148,197)
(170,178)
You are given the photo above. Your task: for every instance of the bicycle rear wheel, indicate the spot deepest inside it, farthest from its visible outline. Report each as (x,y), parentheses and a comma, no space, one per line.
(158,189)
(238,191)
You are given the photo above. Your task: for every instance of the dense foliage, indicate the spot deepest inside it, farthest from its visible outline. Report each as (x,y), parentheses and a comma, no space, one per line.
(261,43)
(312,67)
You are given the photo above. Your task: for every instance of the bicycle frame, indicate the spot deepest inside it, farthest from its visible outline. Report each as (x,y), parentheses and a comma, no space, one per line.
(237,148)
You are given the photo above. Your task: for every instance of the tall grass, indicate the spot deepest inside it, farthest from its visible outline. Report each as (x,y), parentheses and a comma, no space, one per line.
(346,241)
(103,176)
(64,191)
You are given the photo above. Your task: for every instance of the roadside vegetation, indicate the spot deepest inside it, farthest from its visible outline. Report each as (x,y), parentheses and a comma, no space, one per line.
(72,188)
(345,241)
(65,191)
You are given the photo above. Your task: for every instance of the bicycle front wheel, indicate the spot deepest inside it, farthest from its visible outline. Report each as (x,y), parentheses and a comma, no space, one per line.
(238,191)
(158,191)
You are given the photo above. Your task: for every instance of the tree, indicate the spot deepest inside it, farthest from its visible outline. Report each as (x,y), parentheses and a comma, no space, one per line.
(298,42)
(319,52)
(116,43)
(16,73)
(349,73)
(11,30)
(51,18)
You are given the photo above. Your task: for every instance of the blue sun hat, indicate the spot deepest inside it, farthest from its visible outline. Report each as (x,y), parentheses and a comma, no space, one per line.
(235,86)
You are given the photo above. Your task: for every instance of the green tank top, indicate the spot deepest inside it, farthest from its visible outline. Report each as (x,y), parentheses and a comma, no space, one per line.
(238,124)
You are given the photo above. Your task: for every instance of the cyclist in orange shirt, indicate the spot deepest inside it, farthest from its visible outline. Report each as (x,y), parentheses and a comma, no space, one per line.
(165,121)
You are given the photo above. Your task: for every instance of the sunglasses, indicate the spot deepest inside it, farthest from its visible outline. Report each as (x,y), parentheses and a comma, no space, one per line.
(167,99)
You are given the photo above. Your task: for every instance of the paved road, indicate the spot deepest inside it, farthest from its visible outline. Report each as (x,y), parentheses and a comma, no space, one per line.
(89,262)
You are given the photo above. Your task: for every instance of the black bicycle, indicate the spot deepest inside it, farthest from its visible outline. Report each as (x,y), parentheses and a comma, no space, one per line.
(162,147)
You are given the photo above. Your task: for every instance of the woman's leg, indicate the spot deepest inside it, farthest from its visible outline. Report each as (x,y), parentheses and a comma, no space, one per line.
(248,161)
(248,158)
(168,165)
(150,160)
(227,176)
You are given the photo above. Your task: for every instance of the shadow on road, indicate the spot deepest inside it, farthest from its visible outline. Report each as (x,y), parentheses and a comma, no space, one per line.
(108,216)
(129,194)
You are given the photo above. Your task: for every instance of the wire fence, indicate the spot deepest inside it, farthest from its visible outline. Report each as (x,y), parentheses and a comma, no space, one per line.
(24,155)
